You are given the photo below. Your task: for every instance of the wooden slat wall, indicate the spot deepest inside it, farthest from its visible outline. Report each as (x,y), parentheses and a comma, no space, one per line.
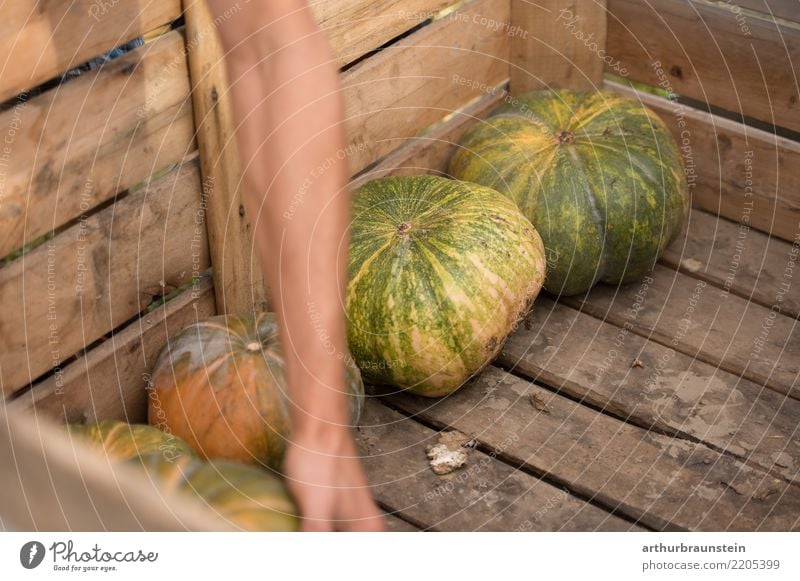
(238,281)
(408,87)
(745,174)
(109,381)
(705,53)
(119,259)
(78,145)
(390,98)
(355,27)
(41,40)
(557,44)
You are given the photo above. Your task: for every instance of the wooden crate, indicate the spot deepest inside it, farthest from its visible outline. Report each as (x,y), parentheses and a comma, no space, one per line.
(120,184)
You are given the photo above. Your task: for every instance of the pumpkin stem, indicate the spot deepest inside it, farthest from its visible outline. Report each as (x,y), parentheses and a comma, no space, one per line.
(565,136)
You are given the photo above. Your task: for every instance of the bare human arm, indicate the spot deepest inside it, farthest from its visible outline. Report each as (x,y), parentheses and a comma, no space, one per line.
(288,112)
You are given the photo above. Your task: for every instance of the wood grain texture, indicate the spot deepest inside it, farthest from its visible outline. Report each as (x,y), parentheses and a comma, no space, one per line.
(109,381)
(748,263)
(393,96)
(707,323)
(395,524)
(430,153)
(700,50)
(75,147)
(560,45)
(745,174)
(485,494)
(40,40)
(786,9)
(50,483)
(238,280)
(99,273)
(663,482)
(355,27)
(593,361)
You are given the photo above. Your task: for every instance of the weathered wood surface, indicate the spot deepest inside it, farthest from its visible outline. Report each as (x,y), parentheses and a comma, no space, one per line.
(786,9)
(557,44)
(355,27)
(109,381)
(395,524)
(708,323)
(732,256)
(701,50)
(430,153)
(734,170)
(593,361)
(485,494)
(40,40)
(99,273)
(411,85)
(238,280)
(76,147)
(663,482)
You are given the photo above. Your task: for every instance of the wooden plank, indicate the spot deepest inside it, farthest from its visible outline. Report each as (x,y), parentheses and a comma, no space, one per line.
(700,50)
(666,483)
(98,274)
(395,524)
(355,27)
(430,153)
(75,147)
(109,381)
(238,280)
(50,483)
(557,45)
(39,41)
(747,263)
(745,174)
(413,84)
(592,360)
(786,9)
(485,494)
(755,342)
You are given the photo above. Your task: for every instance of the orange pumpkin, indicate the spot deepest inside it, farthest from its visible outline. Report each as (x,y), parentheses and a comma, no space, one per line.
(220,385)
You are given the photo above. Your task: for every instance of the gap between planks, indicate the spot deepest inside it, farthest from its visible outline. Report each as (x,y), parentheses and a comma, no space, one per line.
(661,482)
(591,360)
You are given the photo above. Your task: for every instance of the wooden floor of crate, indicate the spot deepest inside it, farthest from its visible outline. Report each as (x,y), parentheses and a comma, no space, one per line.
(668,404)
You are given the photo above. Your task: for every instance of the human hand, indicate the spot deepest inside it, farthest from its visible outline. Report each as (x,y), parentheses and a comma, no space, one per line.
(325,477)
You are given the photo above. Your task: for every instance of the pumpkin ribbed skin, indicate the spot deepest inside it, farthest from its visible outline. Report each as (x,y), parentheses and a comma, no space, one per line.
(440,272)
(599,175)
(220,385)
(122,441)
(248,497)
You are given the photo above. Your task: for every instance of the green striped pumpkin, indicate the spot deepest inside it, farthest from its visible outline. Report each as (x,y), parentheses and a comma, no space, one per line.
(245,496)
(440,273)
(122,441)
(598,174)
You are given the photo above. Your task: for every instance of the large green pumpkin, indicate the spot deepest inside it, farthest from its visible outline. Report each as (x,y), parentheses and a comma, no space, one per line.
(247,497)
(440,273)
(220,385)
(122,441)
(598,174)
